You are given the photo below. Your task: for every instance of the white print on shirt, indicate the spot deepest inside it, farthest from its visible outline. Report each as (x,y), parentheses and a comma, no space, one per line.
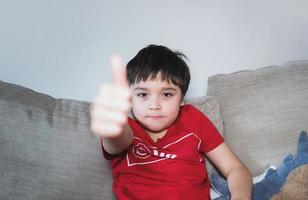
(142,151)
(141,154)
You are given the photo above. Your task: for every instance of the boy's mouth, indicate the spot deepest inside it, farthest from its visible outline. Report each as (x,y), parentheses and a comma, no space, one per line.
(155,117)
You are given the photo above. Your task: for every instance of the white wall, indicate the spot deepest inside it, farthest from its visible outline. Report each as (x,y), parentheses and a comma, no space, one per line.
(61,47)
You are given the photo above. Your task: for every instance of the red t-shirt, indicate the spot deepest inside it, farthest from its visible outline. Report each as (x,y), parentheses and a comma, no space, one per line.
(173,167)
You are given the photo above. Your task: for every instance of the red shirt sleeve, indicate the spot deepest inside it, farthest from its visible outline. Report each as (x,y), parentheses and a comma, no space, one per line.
(211,138)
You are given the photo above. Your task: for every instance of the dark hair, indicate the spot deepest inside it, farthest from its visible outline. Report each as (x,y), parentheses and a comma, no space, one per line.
(153,59)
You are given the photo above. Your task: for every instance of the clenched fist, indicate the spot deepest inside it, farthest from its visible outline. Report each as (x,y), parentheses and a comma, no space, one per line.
(109,110)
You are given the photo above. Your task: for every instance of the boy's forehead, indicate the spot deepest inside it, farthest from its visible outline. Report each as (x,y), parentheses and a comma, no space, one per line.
(157,82)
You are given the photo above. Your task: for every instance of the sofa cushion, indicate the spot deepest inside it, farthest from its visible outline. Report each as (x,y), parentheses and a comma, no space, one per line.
(46,149)
(263,110)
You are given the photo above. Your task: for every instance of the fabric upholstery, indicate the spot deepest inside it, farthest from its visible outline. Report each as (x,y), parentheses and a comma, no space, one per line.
(46,149)
(262,111)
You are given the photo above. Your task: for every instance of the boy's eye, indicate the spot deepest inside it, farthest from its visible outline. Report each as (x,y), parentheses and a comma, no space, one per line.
(142,94)
(167,94)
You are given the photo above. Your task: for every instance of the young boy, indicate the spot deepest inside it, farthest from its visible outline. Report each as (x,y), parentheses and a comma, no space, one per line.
(158,153)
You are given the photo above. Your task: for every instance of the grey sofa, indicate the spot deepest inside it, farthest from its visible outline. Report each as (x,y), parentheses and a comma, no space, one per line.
(48,152)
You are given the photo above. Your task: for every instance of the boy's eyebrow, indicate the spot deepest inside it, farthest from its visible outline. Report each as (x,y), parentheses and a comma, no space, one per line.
(169,88)
(140,88)
(165,88)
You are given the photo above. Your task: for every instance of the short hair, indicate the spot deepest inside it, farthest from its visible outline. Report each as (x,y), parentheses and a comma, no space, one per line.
(153,59)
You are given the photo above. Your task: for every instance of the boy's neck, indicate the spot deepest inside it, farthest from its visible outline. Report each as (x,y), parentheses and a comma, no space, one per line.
(156,136)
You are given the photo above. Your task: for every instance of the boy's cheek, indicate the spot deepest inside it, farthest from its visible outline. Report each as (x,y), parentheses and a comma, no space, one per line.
(135,102)
(136,107)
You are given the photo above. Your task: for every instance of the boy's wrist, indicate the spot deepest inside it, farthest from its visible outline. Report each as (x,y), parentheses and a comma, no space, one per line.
(114,145)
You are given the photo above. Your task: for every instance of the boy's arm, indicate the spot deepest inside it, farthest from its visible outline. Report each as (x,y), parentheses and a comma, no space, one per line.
(115,145)
(109,111)
(238,176)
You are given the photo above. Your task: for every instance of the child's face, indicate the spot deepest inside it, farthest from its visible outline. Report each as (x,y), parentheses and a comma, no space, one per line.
(156,104)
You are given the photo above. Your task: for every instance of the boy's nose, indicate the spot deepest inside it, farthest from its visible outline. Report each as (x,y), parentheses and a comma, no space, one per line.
(154,104)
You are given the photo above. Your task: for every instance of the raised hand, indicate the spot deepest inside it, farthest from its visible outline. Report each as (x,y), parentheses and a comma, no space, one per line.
(110,107)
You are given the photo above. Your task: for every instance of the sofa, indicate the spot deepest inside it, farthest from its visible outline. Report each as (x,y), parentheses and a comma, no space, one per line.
(48,152)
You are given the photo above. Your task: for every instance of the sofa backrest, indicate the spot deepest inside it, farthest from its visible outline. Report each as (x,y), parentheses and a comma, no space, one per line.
(46,149)
(263,111)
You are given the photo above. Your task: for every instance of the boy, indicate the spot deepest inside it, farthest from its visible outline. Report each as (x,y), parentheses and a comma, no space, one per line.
(159,152)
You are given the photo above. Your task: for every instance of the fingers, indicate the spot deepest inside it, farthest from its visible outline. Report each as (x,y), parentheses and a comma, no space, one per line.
(110,117)
(114,91)
(118,70)
(107,122)
(109,109)
(112,98)
(110,130)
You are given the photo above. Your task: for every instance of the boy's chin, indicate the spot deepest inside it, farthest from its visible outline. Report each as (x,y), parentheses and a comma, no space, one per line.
(153,130)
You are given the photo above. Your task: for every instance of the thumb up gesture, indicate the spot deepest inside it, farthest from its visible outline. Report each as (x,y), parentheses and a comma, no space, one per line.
(109,109)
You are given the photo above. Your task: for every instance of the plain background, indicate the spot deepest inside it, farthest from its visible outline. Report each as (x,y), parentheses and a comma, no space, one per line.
(61,47)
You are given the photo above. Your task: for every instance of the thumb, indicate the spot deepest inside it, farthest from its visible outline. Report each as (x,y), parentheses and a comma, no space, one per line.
(118,70)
